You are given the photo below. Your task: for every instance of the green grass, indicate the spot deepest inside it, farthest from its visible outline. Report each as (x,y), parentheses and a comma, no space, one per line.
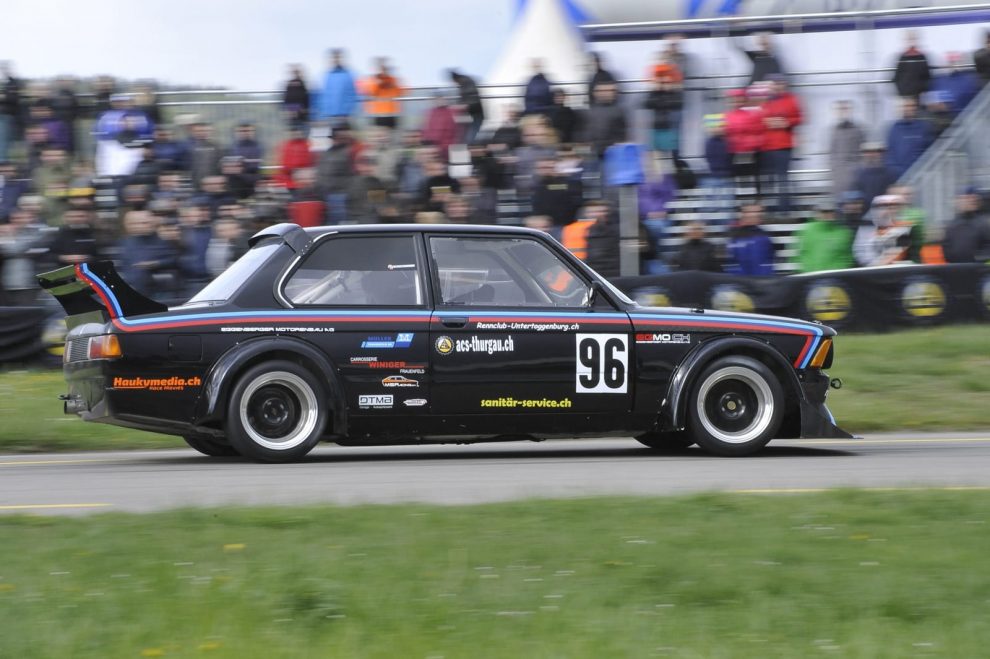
(850,574)
(935,379)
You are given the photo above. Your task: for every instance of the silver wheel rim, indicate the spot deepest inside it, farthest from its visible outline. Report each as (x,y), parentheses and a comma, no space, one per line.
(741,384)
(289,384)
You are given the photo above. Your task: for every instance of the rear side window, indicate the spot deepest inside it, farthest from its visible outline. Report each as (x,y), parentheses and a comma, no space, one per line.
(358,271)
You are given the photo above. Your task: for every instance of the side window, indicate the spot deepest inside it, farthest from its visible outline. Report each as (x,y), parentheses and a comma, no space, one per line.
(504,272)
(358,271)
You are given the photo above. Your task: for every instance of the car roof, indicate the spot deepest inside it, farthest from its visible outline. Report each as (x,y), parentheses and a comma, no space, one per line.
(424,228)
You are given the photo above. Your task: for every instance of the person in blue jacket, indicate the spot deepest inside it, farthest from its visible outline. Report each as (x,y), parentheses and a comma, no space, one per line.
(751,252)
(338,98)
(908,138)
(959,85)
(538,98)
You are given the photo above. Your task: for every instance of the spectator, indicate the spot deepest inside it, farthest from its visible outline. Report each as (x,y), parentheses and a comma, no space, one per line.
(440,126)
(599,76)
(751,252)
(238,183)
(226,246)
(981,59)
(307,208)
(56,132)
(602,239)
(654,194)
(910,213)
(204,154)
(482,200)
(10,109)
(845,149)
(824,243)
(696,252)
(338,99)
(960,84)
(538,98)
(719,192)
(295,97)
(366,194)
(334,172)
(604,122)
(677,56)
(967,237)
(294,154)
(781,116)
(851,209)
(143,255)
(457,210)
(666,101)
(908,138)
(883,239)
(170,154)
(874,177)
(538,143)
(381,149)
(469,99)
(51,181)
(381,92)
(554,195)
(509,134)
(765,62)
(76,240)
(912,76)
(147,170)
(938,110)
(22,243)
(196,232)
(12,186)
(65,105)
(745,134)
(145,101)
(216,195)
(121,133)
(437,186)
(247,148)
(563,118)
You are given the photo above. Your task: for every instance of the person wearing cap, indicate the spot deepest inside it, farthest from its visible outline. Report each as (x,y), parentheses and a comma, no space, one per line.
(883,240)
(874,177)
(912,76)
(824,243)
(959,84)
(744,132)
(908,138)
(666,101)
(781,117)
(338,98)
(845,148)
(967,237)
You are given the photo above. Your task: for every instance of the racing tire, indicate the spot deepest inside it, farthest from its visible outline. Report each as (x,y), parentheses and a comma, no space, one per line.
(211,446)
(276,412)
(666,441)
(736,406)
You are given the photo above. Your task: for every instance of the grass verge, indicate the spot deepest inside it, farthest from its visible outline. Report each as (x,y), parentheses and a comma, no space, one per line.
(933,379)
(851,574)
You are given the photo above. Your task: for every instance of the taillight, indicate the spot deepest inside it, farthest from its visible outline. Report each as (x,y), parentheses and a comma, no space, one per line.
(821,354)
(104,347)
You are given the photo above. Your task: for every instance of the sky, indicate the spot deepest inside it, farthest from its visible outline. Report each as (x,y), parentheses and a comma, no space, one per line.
(246,44)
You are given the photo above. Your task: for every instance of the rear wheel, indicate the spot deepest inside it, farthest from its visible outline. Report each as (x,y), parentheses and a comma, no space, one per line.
(736,406)
(666,441)
(211,446)
(276,412)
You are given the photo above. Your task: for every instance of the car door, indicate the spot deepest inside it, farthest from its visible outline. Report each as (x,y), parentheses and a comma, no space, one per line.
(363,300)
(512,331)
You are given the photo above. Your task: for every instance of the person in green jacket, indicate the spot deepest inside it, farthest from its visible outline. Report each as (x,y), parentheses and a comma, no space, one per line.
(824,243)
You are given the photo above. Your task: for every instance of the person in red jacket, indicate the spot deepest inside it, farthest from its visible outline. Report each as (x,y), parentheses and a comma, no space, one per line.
(781,116)
(293,154)
(440,127)
(744,132)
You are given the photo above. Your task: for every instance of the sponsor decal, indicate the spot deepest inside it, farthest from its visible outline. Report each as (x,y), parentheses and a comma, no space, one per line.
(392,365)
(512,403)
(413,371)
(663,338)
(923,299)
(399,381)
(531,327)
(653,296)
(445,345)
(401,340)
(602,363)
(363,360)
(157,384)
(305,329)
(828,301)
(731,297)
(414,402)
(375,401)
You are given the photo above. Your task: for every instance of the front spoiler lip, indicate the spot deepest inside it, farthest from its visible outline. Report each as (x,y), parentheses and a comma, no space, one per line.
(817,422)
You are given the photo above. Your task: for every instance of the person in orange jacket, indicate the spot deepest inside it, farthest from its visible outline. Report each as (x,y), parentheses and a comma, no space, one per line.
(781,116)
(381,93)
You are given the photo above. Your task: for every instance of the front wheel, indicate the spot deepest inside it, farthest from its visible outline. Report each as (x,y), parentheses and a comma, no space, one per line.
(736,406)
(276,412)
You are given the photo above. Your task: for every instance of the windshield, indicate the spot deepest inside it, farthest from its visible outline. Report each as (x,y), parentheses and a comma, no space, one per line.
(224,286)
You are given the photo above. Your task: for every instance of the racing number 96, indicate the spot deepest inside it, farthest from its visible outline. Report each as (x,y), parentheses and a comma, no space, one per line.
(602,363)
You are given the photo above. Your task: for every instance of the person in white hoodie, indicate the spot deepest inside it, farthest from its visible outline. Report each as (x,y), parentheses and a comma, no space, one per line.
(883,240)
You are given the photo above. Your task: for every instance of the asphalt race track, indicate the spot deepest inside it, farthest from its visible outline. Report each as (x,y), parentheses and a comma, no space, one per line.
(81,483)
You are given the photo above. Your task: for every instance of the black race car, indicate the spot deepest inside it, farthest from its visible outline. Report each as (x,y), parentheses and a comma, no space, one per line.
(395,334)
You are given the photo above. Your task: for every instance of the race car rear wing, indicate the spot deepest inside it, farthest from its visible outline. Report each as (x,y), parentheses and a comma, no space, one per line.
(87,288)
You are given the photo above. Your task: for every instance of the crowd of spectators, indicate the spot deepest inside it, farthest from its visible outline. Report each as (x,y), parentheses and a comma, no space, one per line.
(174,205)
